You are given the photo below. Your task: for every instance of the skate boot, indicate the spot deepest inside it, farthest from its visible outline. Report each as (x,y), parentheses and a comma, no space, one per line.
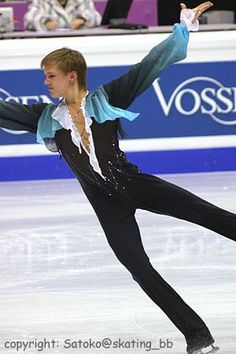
(209,350)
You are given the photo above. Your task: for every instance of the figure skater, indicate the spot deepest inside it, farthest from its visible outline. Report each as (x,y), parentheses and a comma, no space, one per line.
(84,128)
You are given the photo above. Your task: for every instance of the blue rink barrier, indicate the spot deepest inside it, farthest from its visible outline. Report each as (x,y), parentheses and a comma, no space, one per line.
(189,111)
(154,162)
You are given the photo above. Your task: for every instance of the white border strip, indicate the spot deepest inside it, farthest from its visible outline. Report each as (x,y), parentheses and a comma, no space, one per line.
(180,143)
(134,145)
(25,54)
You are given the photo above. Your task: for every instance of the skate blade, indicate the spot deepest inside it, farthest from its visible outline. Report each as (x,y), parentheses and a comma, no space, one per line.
(214,350)
(211,351)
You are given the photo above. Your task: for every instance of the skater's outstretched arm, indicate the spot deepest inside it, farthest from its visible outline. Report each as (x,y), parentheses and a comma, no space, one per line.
(122,91)
(17,116)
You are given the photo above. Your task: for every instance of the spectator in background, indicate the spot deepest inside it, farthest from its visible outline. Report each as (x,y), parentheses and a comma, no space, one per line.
(46,15)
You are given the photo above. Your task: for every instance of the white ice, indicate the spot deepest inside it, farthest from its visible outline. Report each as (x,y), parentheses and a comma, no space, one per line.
(60,279)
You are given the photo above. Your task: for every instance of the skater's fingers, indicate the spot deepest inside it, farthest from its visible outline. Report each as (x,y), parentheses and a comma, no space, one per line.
(197,14)
(203,7)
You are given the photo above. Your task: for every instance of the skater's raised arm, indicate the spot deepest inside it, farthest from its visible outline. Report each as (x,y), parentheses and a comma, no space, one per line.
(122,91)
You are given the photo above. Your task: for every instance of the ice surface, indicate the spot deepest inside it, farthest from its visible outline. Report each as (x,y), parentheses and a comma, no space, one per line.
(60,280)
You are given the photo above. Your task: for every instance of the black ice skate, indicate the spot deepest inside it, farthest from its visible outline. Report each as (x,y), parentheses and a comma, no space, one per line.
(209,350)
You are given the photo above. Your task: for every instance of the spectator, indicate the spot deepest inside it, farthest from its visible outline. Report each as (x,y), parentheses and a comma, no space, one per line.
(46,15)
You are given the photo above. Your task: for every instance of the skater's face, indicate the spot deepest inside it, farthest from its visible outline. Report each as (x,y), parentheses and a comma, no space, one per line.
(59,83)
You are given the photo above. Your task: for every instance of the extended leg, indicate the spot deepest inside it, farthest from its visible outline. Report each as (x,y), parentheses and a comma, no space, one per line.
(154,194)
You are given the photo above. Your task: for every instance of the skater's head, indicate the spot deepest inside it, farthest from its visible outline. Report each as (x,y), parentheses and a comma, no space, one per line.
(64,68)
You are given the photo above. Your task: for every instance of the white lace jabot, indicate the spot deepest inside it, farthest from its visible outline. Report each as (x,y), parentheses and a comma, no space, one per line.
(61,114)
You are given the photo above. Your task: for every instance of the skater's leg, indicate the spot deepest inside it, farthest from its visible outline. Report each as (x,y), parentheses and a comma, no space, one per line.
(154,194)
(123,235)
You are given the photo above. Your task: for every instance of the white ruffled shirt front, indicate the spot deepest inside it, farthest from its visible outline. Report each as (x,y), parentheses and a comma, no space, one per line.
(61,114)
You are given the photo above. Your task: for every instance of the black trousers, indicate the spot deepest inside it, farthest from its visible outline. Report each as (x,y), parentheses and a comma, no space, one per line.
(118,222)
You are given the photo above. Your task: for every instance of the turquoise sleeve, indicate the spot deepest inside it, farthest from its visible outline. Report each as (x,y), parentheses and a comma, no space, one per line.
(122,91)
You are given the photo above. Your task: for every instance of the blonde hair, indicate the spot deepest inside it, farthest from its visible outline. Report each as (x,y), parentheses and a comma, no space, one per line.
(68,60)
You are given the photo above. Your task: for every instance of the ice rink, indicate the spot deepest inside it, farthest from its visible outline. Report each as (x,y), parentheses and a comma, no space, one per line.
(62,286)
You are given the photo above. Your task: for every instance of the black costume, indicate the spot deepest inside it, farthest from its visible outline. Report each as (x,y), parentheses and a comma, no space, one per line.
(125,188)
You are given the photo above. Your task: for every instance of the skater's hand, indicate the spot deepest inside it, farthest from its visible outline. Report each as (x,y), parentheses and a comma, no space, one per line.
(200,9)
